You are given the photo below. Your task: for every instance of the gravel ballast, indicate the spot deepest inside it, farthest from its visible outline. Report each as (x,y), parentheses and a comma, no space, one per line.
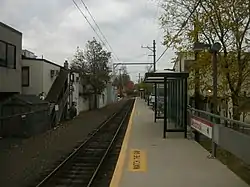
(22,163)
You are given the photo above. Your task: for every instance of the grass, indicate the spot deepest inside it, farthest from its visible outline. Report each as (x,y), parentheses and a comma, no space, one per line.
(232,162)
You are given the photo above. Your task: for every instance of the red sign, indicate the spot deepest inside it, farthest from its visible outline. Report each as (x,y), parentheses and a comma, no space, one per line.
(202,125)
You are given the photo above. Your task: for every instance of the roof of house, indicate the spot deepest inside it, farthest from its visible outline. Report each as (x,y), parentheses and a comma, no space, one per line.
(10,28)
(159,76)
(41,60)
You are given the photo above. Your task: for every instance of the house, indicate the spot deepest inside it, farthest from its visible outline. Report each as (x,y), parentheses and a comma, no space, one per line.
(38,74)
(108,96)
(183,61)
(10,61)
(87,97)
(24,77)
(54,83)
(111,93)
(20,115)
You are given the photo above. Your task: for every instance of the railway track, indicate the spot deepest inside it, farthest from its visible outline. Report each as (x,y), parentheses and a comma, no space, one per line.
(82,166)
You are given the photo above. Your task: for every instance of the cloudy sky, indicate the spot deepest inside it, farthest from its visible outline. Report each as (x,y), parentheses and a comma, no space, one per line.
(54,28)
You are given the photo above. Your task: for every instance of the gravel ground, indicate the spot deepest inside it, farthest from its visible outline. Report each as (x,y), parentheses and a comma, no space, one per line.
(23,161)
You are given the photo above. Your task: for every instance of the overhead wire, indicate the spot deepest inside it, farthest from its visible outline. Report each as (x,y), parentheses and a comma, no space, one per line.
(89,23)
(157,18)
(158,32)
(86,7)
(182,27)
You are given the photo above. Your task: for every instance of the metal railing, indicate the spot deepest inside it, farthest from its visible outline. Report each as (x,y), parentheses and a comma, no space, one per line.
(231,135)
(227,122)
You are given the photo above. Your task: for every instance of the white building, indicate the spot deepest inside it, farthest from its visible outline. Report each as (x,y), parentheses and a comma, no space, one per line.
(38,74)
(43,76)
(28,53)
(111,93)
(10,60)
(183,61)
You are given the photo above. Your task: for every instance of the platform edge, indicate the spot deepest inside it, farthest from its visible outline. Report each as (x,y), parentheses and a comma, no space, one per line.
(122,155)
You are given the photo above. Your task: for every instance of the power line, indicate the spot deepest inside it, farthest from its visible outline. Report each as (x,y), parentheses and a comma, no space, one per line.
(88,22)
(84,4)
(157,9)
(183,25)
(156,18)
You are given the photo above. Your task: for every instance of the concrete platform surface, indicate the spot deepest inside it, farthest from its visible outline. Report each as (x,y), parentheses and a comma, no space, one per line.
(148,160)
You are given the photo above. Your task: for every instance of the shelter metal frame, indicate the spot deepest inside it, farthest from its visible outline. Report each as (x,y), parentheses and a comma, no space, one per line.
(175,99)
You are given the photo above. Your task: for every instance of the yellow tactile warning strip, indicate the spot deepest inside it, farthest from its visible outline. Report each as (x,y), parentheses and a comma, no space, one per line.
(122,156)
(137,160)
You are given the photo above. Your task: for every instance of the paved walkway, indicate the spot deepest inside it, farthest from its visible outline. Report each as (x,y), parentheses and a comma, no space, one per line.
(148,160)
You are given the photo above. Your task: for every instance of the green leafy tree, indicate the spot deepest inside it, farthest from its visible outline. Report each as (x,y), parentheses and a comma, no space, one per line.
(226,21)
(93,66)
(147,87)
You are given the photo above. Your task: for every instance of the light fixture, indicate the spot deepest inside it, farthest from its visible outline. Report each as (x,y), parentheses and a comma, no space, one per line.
(201,46)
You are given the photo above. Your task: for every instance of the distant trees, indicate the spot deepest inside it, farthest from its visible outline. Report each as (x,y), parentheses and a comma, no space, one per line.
(122,79)
(93,66)
(147,87)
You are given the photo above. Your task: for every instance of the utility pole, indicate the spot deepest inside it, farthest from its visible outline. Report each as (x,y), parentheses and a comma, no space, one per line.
(154,54)
(139,78)
(214,64)
(155,85)
(120,82)
(139,81)
(153,49)
(215,49)
(197,78)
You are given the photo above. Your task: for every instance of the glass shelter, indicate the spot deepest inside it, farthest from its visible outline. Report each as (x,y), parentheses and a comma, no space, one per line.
(170,99)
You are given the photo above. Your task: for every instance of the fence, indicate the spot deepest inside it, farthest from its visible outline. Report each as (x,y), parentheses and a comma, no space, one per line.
(25,124)
(231,135)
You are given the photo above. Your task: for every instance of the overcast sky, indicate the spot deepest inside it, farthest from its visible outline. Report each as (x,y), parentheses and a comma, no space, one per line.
(54,28)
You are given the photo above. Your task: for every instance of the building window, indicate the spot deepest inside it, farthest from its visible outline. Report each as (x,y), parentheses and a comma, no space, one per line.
(25,76)
(11,56)
(3,51)
(7,55)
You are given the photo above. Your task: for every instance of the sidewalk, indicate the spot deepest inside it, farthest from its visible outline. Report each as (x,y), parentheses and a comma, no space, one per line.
(148,160)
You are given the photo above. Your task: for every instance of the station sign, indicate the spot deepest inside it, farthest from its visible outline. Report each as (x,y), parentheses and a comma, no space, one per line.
(203,126)
(137,161)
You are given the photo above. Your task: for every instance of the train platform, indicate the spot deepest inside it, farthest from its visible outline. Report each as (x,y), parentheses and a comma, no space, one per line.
(146,159)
